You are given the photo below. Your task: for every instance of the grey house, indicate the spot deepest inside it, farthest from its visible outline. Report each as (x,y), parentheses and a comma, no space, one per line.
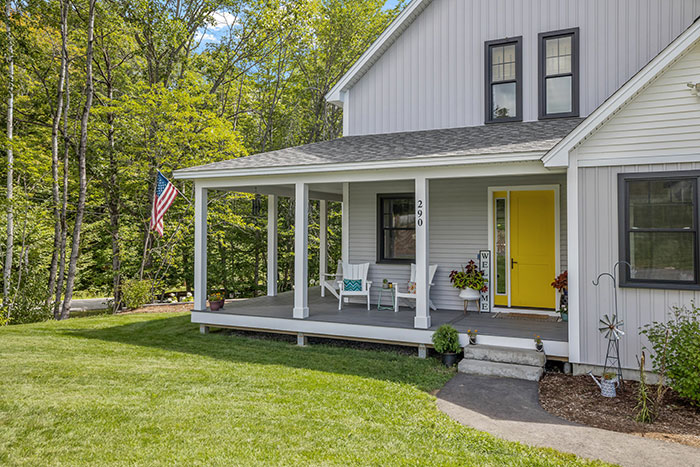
(535,136)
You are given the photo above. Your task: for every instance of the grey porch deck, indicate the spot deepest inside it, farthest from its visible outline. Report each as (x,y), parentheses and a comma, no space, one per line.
(326,310)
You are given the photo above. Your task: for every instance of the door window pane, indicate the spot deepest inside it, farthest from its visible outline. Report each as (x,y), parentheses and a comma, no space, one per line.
(503,101)
(501,247)
(559,95)
(662,256)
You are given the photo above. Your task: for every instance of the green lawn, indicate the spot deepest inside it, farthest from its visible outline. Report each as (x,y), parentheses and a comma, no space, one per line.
(149,389)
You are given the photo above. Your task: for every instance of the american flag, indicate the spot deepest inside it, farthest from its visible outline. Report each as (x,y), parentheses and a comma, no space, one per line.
(164,197)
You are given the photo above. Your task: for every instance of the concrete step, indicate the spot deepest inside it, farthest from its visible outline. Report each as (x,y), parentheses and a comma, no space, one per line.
(493,353)
(504,370)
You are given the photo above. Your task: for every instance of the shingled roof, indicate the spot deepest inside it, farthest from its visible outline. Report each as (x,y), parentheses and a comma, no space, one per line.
(493,139)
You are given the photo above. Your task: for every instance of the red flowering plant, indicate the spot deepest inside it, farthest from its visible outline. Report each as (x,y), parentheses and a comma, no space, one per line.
(561,283)
(470,277)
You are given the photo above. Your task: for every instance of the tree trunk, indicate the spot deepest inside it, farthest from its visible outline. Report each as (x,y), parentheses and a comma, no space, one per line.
(64,205)
(55,128)
(7,272)
(82,175)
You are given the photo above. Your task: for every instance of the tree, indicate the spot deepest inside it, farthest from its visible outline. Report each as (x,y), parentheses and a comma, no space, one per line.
(9,242)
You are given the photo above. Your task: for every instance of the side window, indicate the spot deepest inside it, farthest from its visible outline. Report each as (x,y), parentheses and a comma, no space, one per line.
(558,74)
(504,80)
(658,229)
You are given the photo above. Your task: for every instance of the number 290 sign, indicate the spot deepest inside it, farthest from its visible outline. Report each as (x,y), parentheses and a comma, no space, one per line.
(419,213)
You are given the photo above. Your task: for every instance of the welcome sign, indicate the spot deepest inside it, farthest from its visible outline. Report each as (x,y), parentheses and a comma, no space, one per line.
(485,267)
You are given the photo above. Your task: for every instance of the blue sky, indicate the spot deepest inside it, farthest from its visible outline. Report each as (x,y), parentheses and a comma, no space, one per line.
(222,22)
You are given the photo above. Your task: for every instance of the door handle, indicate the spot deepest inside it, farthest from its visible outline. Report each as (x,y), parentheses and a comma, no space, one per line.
(512,263)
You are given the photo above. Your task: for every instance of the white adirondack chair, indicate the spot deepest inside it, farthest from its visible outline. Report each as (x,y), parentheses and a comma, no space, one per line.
(412,296)
(354,272)
(330,281)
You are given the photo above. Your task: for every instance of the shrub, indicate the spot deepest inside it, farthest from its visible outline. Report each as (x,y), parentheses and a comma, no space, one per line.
(136,293)
(29,302)
(677,342)
(446,339)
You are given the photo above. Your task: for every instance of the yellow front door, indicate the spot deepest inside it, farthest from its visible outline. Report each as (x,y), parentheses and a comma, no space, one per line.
(532,249)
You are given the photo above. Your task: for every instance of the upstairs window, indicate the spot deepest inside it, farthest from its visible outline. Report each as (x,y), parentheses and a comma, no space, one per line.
(558,74)
(396,240)
(504,80)
(659,229)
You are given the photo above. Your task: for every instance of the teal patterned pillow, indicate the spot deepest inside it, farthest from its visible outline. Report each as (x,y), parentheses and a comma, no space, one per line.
(352,285)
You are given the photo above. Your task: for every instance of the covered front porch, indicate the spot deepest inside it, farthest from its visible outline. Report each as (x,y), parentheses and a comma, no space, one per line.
(354,321)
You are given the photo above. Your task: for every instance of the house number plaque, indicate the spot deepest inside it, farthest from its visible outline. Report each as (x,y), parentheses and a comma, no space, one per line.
(419,213)
(485,266)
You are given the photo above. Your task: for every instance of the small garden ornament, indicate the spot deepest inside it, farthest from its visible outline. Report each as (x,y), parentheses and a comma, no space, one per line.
(446,342)
(472,336)
(539,345)
(607,384)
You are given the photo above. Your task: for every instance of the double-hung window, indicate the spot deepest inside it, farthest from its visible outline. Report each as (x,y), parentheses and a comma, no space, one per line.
(396,235)
(504,80)
(659,229)
(558,74)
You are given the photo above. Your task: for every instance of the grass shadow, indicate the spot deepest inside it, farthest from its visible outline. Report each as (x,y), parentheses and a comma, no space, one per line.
(177,334)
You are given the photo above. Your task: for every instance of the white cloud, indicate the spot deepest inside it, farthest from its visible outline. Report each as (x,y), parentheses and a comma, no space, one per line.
(205,37)
(222,20)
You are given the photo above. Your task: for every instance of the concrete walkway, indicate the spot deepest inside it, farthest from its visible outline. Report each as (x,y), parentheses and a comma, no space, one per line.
(510,409)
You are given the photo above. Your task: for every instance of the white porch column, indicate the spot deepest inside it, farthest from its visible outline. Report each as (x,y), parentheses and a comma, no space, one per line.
(323,243)
(345,247)
(301,251)
(200,248)
(271,245)
(422,320)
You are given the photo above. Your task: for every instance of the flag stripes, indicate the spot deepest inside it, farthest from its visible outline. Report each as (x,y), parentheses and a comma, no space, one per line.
(162,200)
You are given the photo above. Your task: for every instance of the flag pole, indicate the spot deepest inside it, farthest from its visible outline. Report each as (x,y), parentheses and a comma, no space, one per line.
(178,190)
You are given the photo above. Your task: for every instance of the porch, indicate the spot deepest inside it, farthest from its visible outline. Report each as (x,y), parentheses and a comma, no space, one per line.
(354,321)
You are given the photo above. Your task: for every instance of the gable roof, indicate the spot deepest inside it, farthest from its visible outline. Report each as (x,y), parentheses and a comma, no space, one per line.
(492,140)
(376,50)
(558,156)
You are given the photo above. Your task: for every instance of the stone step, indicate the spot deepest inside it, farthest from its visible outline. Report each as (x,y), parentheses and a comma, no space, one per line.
(493,353)
(504,370)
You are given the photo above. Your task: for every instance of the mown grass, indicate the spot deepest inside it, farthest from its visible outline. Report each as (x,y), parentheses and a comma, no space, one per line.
(149,389)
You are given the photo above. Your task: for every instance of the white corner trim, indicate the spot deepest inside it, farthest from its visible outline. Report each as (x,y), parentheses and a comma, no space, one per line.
(558,156)
(376,49)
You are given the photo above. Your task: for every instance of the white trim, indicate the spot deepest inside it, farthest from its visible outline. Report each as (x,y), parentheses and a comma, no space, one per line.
(345,224)
(376,50)
(422,206)
(557,231)
(322,242)
(345,97)
(525,311)
(358,331)
(558,156)
(413,162)
(381,175)
(572,245)
(639,160)
(271,246)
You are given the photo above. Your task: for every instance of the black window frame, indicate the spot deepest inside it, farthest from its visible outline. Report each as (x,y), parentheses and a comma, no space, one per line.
(624,230)
(380,227)
(542,67)
(488,72)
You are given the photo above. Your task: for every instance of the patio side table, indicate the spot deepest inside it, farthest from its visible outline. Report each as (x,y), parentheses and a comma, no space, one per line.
(383,291)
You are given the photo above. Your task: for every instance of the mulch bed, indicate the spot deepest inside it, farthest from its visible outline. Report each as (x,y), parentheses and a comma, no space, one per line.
(578,399)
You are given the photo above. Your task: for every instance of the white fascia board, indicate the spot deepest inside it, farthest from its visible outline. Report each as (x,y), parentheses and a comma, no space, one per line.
(376,49)
(416,162)
(558,156)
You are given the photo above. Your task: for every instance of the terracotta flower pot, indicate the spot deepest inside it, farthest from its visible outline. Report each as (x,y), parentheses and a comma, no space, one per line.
(216,305)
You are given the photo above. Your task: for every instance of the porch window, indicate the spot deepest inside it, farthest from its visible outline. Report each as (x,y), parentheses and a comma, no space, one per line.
(659,229)
(396,240)
(504,80)
(558,74)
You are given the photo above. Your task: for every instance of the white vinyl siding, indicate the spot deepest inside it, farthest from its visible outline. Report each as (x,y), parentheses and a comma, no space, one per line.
(599,251)
(433,75)
(458,227)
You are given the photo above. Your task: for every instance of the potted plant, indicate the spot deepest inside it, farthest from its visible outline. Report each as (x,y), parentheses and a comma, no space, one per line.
(385,284)
(539,345)
(561,284)
(472,336)
(216,301)
(470,281)
(446,342)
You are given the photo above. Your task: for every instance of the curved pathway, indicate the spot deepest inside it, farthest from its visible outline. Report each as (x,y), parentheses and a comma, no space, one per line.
(510,409)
